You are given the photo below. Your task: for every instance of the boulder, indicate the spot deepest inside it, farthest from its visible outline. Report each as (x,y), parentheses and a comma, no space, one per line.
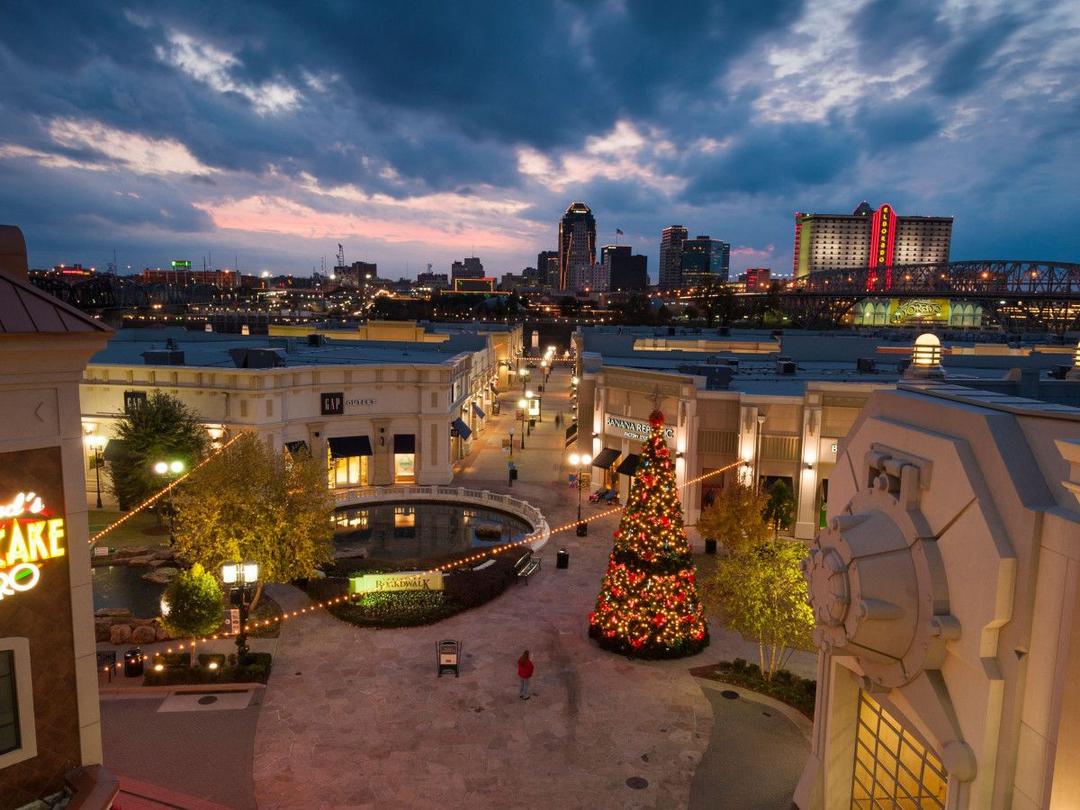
(143,635)
(162,576)
(132,551)
(162,634)
(120,634)
(141,623)
(113,613)
(143,559)
(101,629)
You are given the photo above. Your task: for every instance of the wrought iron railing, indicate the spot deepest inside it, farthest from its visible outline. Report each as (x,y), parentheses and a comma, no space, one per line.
(526,511)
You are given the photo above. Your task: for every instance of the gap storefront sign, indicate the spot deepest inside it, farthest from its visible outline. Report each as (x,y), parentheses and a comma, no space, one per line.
(335,403)
(632,428)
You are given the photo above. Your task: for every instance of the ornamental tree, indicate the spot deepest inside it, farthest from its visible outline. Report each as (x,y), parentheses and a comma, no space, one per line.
(735,518)
(648,604)
(249,503)
(162,429)
(764,597)
(192,604)
(779,509)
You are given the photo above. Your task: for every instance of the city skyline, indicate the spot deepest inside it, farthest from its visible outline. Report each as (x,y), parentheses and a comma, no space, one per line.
(172,134)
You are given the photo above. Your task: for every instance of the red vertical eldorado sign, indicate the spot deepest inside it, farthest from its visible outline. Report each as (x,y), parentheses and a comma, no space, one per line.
(882,243)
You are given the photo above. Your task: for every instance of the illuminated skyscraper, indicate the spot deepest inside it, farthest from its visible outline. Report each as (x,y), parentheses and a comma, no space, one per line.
(577,247)
(671,249)
(868,238)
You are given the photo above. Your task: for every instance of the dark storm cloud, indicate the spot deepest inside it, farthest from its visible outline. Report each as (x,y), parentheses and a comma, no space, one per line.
(412,99)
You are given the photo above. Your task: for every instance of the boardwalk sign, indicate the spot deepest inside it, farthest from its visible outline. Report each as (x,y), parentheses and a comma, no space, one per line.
(397,581)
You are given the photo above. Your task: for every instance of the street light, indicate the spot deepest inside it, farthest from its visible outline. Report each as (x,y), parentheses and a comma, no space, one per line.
(240,576)
(580,460)
(166,468)
(524,374)
(97,445)
(522,405)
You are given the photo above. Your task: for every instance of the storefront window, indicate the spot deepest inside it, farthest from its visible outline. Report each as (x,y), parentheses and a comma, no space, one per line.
(9,703)
(350,471)
(404,468)
(893,768)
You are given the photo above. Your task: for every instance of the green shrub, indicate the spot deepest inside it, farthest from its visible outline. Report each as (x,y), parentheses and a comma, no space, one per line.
(194,603)
(785,686)
(254,668)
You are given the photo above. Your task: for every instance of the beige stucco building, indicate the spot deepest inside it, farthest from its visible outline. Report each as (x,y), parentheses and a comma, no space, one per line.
(946,589)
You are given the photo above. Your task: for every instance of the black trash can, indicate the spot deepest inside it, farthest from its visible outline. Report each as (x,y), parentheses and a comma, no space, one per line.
(133,663)
(513,473)
(710,546)
(562,558)
(582,529)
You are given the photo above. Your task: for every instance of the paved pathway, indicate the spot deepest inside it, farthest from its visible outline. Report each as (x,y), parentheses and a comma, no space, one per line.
(357,718)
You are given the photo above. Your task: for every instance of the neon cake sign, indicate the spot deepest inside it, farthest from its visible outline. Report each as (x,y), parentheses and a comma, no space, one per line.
(27,537)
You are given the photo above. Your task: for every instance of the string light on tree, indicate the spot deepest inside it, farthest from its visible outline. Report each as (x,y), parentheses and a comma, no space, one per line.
(648,605)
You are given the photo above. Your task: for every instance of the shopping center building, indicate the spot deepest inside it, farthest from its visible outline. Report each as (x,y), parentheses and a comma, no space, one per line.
(946,591)
(50,735)
(763,407)
(398,410)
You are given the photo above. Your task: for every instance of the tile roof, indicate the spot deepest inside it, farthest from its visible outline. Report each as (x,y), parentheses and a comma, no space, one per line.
(24,309)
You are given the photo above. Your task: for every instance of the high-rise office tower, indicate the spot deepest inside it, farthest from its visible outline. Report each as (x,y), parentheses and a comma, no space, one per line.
(869,238)
(577,247)
(547,267)
(705,261)
(469,268)
(671,247)
(621,270)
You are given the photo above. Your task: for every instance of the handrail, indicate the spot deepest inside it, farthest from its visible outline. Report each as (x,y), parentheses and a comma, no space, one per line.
(526,511)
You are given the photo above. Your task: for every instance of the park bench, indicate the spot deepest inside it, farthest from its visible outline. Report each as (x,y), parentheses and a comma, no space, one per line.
(527,565)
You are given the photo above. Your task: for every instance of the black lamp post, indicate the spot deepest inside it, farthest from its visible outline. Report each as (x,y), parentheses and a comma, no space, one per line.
(523,405)
(240,576)
(170,469)
(580,460)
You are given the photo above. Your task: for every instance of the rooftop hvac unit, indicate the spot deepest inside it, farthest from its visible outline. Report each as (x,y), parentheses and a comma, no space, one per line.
(866,365)
(316,340)
(163,357)
(786,367)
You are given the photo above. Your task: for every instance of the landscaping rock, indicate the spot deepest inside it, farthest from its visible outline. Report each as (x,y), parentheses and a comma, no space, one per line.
(141,622)
(132,551)
(143,635)
(102,629)
(144,559)
(162,634)
(113,613)
(162,576)
(120,634)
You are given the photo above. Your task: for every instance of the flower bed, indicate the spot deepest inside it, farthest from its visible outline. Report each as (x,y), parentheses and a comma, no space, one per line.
(175,669)
(462,590)
(799,693)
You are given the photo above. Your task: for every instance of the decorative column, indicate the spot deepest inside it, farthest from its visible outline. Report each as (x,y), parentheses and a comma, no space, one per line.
(806,493)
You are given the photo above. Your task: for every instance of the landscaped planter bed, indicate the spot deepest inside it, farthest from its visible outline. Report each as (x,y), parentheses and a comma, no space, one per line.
(462,590)
(799,693)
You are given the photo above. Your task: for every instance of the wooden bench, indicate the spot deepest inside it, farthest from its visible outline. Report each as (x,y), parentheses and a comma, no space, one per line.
(526,565)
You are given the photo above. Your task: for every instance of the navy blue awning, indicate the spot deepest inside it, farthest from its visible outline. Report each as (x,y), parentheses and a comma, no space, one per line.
(628,466)
(404,443)
(348,446)
(461,428)
(478,411)
(605,458)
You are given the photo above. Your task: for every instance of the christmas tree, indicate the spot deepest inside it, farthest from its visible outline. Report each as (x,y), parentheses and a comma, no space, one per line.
(648,605)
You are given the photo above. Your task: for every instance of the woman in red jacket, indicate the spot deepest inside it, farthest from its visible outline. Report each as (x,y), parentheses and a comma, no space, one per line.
(525,671)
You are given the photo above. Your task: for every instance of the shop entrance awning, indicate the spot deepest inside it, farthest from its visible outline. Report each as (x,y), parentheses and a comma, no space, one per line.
(404,443)
(605,458)
(296,447)
(478,411)
(628,466)
(462,429)
(347,446)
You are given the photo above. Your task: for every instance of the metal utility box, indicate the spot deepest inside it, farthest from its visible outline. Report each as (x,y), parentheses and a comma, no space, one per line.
(448,657)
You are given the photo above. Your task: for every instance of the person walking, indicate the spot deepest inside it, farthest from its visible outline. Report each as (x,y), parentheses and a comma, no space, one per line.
(525,672)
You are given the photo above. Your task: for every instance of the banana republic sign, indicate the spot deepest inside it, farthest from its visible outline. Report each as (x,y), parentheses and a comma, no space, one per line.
(632,428)
(335,404)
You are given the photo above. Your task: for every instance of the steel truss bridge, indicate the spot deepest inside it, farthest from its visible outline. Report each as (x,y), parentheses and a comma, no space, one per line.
(1016,294)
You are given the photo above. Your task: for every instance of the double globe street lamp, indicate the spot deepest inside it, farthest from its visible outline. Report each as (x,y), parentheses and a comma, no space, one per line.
(580,460)
(173,469)
(242,577)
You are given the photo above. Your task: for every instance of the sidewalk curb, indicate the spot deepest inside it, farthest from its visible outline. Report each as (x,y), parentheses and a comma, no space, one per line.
(797,718)
(175,689)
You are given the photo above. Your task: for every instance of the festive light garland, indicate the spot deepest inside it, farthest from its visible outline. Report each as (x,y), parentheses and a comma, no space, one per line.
(160,493)
(489,552)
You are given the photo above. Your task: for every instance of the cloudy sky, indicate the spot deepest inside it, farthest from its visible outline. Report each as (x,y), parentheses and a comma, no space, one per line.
(416,132)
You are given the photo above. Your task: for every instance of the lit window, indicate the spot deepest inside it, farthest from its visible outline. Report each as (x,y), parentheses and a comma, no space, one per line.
(18,740)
